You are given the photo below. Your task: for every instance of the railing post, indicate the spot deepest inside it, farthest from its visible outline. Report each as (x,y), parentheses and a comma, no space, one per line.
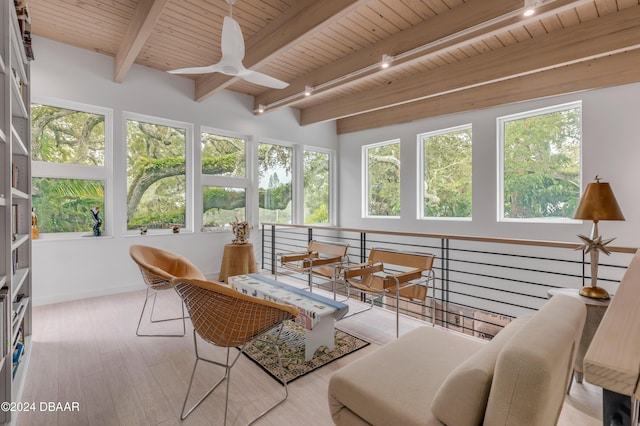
(263,246)
(363,258)
(444,279)
(273,249)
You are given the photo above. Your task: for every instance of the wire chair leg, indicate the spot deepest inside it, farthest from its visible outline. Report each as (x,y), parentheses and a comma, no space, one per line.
(227,375)
(155,294)
(284,381)
(184,415)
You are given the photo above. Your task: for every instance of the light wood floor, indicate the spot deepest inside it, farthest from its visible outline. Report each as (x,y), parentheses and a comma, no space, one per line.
(86,351)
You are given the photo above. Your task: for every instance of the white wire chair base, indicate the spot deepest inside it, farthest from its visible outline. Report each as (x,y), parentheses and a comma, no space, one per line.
(183,317)
(227,375)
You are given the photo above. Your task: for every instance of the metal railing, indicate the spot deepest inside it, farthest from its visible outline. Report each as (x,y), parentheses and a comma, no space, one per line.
(480,282)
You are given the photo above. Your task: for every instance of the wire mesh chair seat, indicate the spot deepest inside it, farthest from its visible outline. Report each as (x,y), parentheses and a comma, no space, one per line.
(229,319)
(158,267)
(391,273)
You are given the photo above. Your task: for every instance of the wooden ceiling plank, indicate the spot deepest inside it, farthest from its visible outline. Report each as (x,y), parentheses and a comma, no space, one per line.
(302,19)
(408,14)
(590,39)
(141,26)
(471,13)
(607,71)
(604,7)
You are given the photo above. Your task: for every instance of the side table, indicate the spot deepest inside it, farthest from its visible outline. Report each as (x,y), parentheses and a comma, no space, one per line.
(237,259)
(595,311)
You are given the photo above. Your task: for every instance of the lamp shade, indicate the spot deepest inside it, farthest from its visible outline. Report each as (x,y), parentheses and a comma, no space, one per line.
(598,203)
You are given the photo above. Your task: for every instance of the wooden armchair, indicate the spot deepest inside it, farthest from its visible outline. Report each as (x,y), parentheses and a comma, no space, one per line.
(391,273)
(321,259)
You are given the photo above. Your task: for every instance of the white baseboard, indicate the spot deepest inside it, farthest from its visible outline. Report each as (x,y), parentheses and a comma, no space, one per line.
(37,301)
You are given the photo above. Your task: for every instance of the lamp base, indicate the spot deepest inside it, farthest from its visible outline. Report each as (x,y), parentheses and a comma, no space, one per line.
(594,292)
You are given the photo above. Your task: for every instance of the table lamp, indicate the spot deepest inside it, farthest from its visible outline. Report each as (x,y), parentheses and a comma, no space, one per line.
(597,203)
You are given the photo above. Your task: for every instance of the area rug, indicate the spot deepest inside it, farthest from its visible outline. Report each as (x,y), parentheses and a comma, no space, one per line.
(291,346)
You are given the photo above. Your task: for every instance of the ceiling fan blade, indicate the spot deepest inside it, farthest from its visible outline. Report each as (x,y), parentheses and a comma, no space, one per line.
(263,80)
(232,41)
(197,70)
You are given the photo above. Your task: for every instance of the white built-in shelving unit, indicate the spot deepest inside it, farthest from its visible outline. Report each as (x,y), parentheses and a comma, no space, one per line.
(15,209)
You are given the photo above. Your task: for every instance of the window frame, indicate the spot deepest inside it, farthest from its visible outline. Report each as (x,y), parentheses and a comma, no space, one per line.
(296,177)
(365,178)
(104,173)
(421,171)
(189,169)
(500,160)
(332,184)
(223,181)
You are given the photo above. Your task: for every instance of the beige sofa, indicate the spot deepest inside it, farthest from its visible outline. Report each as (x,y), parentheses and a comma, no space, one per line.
(432,376)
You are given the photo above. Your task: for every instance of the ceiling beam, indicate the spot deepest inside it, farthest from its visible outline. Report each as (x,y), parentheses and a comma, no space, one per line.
(594,38)
(470,22)
(300,20)
(617,69)
(144,19)
(464,16)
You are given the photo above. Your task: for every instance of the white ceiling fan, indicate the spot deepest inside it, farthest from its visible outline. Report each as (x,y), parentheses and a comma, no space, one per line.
(232,55)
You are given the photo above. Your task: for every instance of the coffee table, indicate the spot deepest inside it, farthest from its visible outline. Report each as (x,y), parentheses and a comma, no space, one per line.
(317,314)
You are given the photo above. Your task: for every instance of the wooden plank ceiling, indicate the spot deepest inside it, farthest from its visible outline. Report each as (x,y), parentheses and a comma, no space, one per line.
(447,55)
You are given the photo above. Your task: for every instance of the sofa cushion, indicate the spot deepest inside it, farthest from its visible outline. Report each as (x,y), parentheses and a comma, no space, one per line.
(462,399)
(534,368)
(383,386)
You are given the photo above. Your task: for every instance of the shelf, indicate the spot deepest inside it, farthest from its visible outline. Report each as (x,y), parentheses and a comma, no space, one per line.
(16,37)
(18,280)
(18,146)
(21,109)
(21,239)
(15,322)
(16,193)
(18,380)
(15,152)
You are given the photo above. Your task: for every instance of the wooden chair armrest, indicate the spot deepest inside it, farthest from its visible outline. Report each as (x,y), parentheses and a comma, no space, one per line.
(351,271)
(390,280)
(325,261)
(295,257)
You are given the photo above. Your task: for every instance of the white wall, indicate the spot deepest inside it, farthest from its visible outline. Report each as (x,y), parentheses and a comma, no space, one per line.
(84,267)
(611,149)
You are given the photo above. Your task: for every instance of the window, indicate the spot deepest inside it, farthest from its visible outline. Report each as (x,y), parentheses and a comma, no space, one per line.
(445,162)
(275,164)
(223,206)
(70,154)
(317,184)
(381,169)
(156,173)
(224,182)
(540,163)
(223,155)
